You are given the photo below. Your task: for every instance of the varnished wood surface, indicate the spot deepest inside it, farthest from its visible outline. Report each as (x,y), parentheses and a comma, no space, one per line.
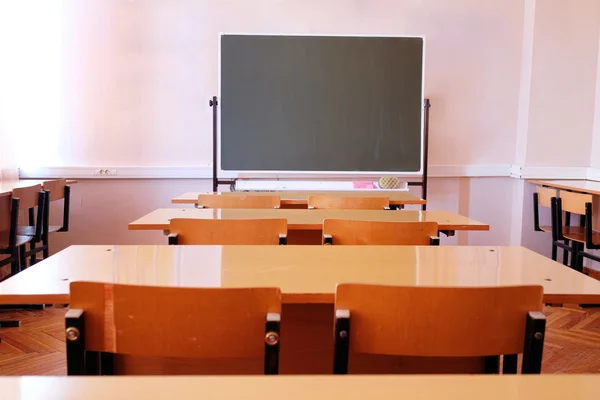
(301,198)
(185,322)
(305,274)
(582,186)
(346,232)
(6,187)
(465,387)
(348,203)
(245,231)
(409,320)
(309,219)
(240,201)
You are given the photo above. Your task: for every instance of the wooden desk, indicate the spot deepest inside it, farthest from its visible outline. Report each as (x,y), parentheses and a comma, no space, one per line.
(304,274)
(307,277)
(463,387)
(308,224)
(580,186)
(6,187)
(397,198)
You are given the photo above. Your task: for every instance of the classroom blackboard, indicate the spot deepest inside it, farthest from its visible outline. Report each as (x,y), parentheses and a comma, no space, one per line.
(320,103)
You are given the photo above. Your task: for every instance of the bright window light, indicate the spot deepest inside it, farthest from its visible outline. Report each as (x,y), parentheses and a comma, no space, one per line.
(30,82)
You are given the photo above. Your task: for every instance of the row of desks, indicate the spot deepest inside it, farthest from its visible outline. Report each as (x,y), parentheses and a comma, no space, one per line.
(305,274)
(499,387)
(308,220)
(288,198)
(6,187)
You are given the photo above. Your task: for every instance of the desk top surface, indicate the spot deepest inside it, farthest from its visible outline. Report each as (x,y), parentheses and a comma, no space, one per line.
(6,187)
(431,387)
(583,186)
(307,219)
(305,274)
(396,197)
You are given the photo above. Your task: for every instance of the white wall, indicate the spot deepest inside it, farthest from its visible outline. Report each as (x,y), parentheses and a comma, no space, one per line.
(135,76)
(595,157)
(563,83)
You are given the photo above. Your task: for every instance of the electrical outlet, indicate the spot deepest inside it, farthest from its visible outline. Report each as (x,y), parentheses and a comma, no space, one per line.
(105,172)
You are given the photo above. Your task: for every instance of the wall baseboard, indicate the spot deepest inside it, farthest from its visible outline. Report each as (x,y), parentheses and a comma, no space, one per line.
(205,172)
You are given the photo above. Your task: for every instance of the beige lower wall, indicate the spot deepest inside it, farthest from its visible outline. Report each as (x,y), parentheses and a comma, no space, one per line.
(102,209)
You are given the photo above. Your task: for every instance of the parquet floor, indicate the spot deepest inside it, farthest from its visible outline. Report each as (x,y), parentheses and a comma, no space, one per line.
(37,347)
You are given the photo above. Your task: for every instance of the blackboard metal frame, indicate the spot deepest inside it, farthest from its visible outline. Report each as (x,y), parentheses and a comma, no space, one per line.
(216,182)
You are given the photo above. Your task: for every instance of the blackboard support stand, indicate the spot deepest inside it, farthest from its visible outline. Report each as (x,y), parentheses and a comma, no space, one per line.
(214,103)
(423,181)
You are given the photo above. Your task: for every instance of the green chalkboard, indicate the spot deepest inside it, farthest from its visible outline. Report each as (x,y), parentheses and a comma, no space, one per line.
(321,103)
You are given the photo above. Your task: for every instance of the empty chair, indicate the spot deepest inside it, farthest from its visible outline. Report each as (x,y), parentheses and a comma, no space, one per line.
(11,245)
(348,203)
(582,235)
(55,191)
(32,200)
(546,197)
(237,201)
(228,231)
(10,241)
(340,231)
(107,319)
(440,322)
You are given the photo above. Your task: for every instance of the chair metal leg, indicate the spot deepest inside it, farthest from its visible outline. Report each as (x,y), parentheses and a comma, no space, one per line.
(14,264)
(22,258)
(566,254)
(554,251)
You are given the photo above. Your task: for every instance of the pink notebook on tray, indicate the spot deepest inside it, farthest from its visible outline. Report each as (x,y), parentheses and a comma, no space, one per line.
(364,185)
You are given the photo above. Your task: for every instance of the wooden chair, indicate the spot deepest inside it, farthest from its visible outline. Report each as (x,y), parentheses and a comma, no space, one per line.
(228,232)
(546,197)
(237,201)
(582,235)
(348,203)
(32,199)
(10,245)
(107,319)
(441,322)
(55,190)
(10,241)
(348,232)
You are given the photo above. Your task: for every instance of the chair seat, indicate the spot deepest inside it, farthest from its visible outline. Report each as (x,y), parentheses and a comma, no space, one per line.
(577,234)
(26,230)
(30,230)
(21,240)
(54,228)
(546,228)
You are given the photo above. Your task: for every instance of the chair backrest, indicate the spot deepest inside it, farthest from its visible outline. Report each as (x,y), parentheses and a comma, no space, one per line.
(238,201)
(437,321)
(349,232)
(574,202)
(545,195)
(56,189)
(9,218)
(228,231)
(29,196)
(171,322)
(348,203)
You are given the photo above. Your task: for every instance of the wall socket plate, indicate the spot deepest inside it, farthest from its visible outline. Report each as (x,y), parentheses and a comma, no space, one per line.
(105,172)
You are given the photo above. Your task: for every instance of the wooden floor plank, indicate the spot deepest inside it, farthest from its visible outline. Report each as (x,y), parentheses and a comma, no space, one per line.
(37,347)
